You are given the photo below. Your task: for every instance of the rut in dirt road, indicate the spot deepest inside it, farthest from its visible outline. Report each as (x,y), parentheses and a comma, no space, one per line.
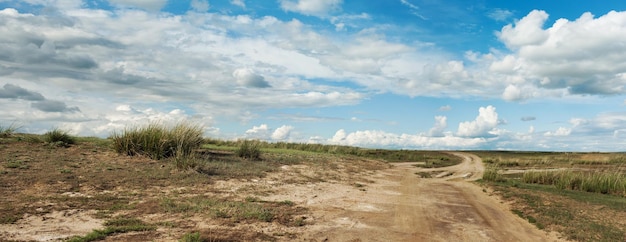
(450,208)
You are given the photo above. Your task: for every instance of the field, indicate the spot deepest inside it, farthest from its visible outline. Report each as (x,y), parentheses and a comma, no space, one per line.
(84,189)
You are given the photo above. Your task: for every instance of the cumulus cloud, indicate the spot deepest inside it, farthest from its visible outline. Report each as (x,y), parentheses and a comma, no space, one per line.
(527,31)
(439,127)
(579,56)
(319,8)
(378,138)
(258,132)
(282,133)
(264,132)
(248,78)
(485,122)
(561,131)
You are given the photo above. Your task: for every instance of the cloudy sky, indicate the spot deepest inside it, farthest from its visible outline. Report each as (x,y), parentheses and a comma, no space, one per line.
(413,74)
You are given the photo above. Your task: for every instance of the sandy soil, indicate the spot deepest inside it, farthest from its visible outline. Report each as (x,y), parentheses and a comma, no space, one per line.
(400,206)
(347,203)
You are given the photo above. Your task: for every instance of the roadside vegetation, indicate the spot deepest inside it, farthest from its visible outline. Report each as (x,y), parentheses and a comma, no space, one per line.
(124,178)
(581,195)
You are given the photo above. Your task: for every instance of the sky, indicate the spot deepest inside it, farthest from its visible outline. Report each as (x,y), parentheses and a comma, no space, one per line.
(396,74)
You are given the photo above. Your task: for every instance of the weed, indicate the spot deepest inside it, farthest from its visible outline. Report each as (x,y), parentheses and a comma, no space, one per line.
(58,137)
(597,182)
(157,141)
(116,225)
(192,237)
(492,174)
(8,131)
(16,164)
(249,149)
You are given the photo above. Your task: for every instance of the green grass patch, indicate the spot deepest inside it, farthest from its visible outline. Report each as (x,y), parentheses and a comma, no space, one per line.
(596,182)
(548,206)
(158,141)
(58,137)
(115,226)
(249,149)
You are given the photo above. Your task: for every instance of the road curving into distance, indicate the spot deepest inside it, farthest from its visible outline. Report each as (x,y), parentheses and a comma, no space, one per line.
(401,206)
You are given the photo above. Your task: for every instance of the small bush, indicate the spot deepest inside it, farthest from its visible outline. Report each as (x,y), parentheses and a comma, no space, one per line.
(249,149)
(59,137)
(158,142)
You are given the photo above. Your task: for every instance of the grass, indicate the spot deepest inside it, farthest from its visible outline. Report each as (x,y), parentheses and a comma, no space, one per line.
(157,141)
(581,195)
(564,210)
(192,237)
(8,131)
(491,174)
(596,182)
(249,149)
(58,137)
(251,209)
(115,226)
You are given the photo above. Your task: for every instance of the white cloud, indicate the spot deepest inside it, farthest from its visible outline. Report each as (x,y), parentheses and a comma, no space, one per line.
(499,14)
(377,138)
(319,8)
(579,56)
(561,131)
(282,133)
(445,108)
(485,122)
(439,127)
(527,31)
(247,77)
(153,5)
(259,132)
(239,3)
(200,5)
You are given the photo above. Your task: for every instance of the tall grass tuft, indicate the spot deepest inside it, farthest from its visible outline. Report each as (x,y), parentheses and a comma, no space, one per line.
(157,141)
(491,174)
(596,182)
(249,149)
(59,137)
(8,131)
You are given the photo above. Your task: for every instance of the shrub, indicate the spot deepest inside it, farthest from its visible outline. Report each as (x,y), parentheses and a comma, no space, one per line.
(59,137)
(157,141)
(249,149)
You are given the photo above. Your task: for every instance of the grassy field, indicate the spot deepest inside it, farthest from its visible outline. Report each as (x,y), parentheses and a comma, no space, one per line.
(581,195)
(143,180)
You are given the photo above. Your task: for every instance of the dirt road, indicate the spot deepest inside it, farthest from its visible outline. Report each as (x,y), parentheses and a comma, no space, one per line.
(401,206)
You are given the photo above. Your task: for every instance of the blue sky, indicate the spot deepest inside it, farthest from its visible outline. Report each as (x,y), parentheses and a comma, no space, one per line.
(412,74)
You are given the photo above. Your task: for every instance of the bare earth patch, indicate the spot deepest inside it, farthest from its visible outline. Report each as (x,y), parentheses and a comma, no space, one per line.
(51,194)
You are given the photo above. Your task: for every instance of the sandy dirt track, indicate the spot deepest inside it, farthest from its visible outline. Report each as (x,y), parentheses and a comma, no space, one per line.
(400,206)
